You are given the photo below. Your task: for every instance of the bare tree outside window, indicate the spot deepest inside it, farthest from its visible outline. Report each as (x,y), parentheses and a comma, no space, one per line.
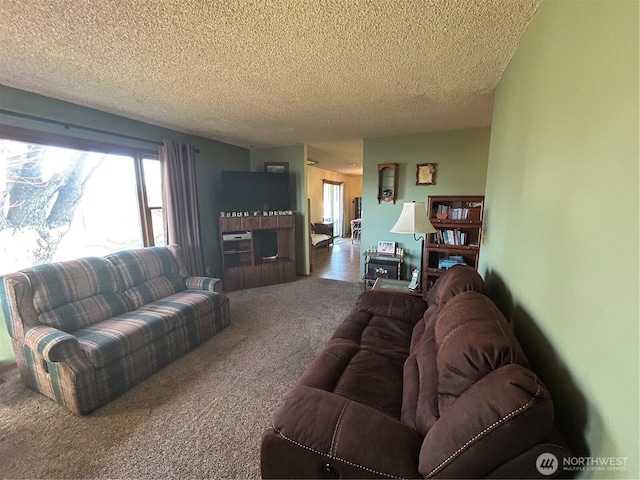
(38,208)
(59,203)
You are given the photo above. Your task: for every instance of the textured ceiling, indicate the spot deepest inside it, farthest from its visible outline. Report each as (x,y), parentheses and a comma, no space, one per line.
(272,72)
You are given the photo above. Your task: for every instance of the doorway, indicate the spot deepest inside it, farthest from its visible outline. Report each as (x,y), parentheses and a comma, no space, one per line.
(333,205)
(341,261)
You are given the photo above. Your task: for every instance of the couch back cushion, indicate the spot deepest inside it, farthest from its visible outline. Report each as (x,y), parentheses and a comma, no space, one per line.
(77,293)
(457,279)
(403,308)
(420,378)
(472,339)
(148,274)
(420,388)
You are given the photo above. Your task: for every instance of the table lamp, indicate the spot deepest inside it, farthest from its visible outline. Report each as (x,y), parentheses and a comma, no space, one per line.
(414,219)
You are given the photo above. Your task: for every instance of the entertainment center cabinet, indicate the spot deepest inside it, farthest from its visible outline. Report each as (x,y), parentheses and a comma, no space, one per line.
(257,250)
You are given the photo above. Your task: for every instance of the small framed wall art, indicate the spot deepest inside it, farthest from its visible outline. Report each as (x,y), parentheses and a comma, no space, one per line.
(276,167)
(426,174)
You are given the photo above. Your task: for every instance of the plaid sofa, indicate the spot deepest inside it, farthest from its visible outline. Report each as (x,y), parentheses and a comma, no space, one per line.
(84,331)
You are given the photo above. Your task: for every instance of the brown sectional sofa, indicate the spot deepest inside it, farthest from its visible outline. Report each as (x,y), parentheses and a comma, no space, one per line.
(407,389)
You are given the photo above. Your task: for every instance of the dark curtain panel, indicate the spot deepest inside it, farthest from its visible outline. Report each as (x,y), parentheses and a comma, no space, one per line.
(180,202)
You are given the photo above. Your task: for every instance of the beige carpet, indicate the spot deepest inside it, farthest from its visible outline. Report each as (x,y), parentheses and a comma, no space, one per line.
(200,417)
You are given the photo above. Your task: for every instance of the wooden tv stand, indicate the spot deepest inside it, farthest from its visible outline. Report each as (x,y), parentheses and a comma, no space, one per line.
(257,250)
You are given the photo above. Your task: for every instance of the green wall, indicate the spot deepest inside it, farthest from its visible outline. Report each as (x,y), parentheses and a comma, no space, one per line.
(296,156)
(461,156)
(214,157)
(562,218)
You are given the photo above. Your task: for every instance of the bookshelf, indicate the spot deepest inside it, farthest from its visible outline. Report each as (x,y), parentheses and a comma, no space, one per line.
(458,221)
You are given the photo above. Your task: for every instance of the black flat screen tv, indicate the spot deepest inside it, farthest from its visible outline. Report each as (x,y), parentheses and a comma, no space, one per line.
(254,191)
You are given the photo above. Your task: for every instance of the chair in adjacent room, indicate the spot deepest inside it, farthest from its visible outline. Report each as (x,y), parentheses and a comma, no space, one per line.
(356,229)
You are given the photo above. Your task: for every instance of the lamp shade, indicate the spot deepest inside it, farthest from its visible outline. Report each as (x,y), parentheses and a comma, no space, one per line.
(413,219)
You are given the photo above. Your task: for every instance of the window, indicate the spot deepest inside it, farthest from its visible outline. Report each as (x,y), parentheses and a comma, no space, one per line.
(150,190)
(58,203)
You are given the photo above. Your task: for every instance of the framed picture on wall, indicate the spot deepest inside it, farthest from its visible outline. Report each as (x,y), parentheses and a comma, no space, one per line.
(387,247)
(276,167)
(426,174)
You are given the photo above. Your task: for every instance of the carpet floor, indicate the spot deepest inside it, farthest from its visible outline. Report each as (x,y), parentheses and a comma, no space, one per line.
(202,416)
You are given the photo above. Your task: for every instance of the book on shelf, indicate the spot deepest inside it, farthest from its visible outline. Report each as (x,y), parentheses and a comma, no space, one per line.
(450,237)
(449,261)
(443,209)
(459,213)
(472,212)
(452,213)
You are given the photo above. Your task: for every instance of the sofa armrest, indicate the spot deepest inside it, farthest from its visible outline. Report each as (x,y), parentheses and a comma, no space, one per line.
(53,344)
(314,430)
(496,419)
(204,283)
(16,299)
(525,465)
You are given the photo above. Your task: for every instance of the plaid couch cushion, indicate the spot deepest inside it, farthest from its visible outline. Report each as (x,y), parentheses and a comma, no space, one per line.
(85,312)
(141,264)
(185,306)
(117,337)
(154,289)
(76,293)
(148,274)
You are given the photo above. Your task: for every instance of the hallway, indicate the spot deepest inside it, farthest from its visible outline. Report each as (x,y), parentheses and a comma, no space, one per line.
(341,261)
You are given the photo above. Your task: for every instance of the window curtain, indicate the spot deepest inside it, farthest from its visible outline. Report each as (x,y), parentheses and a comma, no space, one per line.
(180,202)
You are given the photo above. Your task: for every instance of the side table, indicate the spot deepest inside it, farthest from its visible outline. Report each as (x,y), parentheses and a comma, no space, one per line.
(381,265)
(394,286)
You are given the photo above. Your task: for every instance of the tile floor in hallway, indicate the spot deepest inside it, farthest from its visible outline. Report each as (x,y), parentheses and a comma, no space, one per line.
(341,261)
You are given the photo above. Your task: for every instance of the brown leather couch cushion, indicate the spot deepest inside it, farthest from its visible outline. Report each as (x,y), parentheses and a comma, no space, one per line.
(403,308)
(358,374)
(419,397)
(477,433)
(457,279)
(364,359)
(472,339)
